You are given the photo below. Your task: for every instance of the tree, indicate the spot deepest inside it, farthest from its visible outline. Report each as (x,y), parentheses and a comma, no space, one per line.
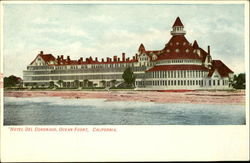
(113,82)
(12,81)
(77,83)
(51,84)
(103,83)
(90,84)
(239,82)
(129,77)
(60,82)
(85,82)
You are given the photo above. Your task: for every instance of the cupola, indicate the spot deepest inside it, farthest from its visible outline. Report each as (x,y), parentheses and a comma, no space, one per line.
(178,28)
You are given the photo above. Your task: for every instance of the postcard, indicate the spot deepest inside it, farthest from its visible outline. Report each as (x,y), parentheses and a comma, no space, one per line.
(124,81)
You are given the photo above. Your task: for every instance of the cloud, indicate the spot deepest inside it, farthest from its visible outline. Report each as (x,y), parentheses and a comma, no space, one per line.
(44,21)
(106,30)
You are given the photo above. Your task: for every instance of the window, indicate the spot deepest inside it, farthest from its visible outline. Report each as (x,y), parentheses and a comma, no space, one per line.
(218,82)
(213,82)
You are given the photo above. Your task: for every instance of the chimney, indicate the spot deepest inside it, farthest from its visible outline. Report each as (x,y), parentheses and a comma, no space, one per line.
(96,59)
(41,52)
(123,56)
(61,56)
(80,60)
(118,59)
(102,60)
(58,57)
(208,50)
(107,59)
(128,59)
(68,58)
(136,56)
(115,58)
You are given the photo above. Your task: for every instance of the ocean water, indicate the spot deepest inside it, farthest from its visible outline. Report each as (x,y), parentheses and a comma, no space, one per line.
(59,111)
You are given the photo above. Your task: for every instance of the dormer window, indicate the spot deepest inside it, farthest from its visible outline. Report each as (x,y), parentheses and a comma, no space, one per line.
(177,43)
(177,50)
(187,50)
(154,57)
(171,43)
(184,43)
(168,50)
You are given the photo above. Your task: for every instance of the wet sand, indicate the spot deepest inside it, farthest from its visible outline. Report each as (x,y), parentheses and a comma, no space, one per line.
(196,97)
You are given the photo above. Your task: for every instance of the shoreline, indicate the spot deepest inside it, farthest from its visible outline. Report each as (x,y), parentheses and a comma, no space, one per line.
(195,97)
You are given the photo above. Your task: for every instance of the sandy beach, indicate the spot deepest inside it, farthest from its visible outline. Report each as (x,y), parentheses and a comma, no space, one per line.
(196,97)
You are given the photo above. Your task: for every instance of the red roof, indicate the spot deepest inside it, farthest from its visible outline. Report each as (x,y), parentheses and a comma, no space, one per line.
(178,47)
(90,61)
(195,45)
(46,57)
(178,22)
(222,69)
(141,48)
(177,67)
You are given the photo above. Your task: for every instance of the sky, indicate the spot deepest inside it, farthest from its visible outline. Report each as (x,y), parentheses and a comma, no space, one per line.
(105,30)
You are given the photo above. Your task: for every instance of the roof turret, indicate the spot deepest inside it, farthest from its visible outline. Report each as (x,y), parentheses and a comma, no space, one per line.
(178,22)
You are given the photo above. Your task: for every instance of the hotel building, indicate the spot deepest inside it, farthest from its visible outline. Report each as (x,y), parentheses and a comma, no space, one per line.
(179,65)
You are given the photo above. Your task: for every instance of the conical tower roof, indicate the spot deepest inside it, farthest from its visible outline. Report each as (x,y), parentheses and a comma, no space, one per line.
(195,45)
(178,22)
(141,48)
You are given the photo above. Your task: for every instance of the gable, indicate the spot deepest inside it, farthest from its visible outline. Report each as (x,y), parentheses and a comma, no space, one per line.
(39,61)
